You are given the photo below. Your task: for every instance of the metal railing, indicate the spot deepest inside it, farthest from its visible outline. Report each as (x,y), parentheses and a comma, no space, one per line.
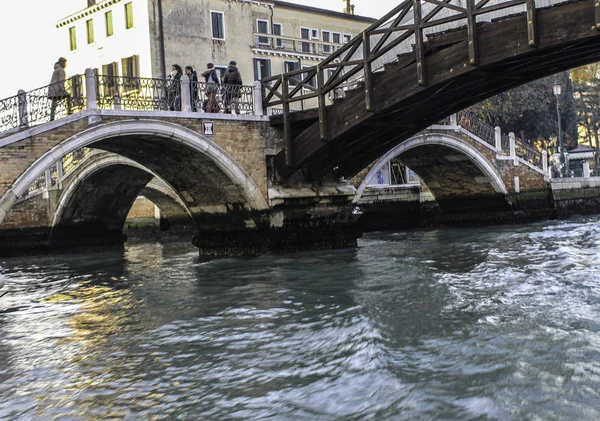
(43,104)
(51,102)
(134,93)
(213,98)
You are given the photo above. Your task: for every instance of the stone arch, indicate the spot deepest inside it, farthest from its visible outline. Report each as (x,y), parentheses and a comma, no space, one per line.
(222,162)
(465,151)
(105,161)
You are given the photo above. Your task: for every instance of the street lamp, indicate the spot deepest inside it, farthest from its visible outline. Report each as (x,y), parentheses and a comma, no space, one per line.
(557,88)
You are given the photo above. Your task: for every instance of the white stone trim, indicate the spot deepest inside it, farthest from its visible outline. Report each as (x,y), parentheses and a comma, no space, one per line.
(443,140)
(88,137)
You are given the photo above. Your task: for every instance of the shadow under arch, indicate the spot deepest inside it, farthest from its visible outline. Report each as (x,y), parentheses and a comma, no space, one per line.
(458,175)
(99,196)
(188,161)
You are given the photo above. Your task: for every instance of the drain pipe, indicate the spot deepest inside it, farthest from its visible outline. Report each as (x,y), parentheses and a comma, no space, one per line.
(163,64)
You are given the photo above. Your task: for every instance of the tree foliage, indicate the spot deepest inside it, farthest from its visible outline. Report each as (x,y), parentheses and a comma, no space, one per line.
(529,111)
(586,90)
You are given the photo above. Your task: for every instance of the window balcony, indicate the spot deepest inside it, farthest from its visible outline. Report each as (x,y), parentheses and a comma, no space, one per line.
(278,43)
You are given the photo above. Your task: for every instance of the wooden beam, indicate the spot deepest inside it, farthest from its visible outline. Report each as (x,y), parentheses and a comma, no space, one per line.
(419,47)
(472,33)
(322,109)
(287,124)
(367,70)
(531,32)
(597,9)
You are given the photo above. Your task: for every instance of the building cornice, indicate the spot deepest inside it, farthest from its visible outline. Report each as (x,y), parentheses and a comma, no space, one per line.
(86,12)
(278,53)
(341,15)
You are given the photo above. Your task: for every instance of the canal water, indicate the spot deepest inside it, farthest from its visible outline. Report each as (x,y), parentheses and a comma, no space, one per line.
(495,323)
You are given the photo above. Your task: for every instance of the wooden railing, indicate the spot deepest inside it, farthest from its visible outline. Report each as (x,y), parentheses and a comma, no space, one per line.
(402,30)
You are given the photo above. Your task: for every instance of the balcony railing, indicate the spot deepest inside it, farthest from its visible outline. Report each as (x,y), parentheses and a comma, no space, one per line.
(294,45)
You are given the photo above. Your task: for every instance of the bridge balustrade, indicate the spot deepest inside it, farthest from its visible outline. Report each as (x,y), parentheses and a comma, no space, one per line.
(90,91)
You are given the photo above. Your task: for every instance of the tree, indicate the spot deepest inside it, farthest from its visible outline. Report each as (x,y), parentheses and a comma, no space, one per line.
(586,89)
(530,112)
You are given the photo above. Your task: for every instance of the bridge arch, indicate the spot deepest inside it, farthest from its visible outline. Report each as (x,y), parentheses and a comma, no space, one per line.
(149,142)
(480,176)
(102,163)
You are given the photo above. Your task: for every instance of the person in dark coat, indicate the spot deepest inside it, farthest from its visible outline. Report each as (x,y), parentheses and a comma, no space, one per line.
(56,90)
(212,87)
(174,90)
(233,87)
(191,73)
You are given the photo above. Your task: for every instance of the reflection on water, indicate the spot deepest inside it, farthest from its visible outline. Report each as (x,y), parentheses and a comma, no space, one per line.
(454,324)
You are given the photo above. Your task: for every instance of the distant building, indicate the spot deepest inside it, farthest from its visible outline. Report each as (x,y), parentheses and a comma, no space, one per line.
(145,37)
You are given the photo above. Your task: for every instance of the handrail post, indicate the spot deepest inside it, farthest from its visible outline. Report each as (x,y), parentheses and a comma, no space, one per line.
(367,70)
(257,98)
(322,109)
(419,47)
(90,90)
(22,106)
(454,119)
(513,147)
(186,98)
(287,129)
(498,139)
(472,33)
(545,162)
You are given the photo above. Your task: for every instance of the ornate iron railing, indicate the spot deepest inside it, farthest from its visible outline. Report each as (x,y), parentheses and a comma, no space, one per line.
(135,93)
(213,98)
(43,104)
(528,153)
(401,31)
(472,124)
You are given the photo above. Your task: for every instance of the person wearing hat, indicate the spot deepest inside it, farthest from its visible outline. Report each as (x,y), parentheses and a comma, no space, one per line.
(56,90)
(232,89)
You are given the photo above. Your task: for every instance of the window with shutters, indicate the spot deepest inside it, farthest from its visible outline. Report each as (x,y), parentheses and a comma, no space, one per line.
(326,38)
(305,34)
(290,66)
(108,20)
(278,30)
(337,37)
(131,72)
(262,68)
(72,38)
(217,24)
(129,15)
(89,25)
(109,79)
(262,27)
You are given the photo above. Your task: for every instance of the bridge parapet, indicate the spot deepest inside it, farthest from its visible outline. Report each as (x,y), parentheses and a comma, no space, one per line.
(91,92)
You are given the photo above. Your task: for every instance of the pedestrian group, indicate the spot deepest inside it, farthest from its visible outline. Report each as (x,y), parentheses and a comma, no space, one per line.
(230,88)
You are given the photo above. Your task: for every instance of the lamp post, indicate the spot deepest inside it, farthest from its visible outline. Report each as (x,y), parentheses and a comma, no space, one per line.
(557,88)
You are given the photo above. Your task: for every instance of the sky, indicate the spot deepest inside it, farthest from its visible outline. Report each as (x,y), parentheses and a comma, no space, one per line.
(29,45)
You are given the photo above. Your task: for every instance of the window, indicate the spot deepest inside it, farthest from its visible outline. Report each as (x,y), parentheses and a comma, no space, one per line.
(278,30)
(217,25)
(290,66)
(129,15)
(312,81)
(262,68)
(305,34)
(337,37)
(130,68)
(326,38)
(89,25)
(72,38)
(262,27)
(109,78)
(347,38)
(314,33)
(109,23)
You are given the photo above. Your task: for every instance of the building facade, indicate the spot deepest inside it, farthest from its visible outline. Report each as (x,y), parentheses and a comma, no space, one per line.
(143,38)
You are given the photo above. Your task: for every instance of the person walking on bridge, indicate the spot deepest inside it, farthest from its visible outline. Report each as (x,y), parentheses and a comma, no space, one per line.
(212,87)
(56,91)
(191,73)
(232,89)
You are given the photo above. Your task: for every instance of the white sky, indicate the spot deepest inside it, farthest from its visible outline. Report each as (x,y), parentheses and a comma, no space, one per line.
(29,45)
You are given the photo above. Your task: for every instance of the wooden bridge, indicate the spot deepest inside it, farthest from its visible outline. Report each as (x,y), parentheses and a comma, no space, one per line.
(421,62)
